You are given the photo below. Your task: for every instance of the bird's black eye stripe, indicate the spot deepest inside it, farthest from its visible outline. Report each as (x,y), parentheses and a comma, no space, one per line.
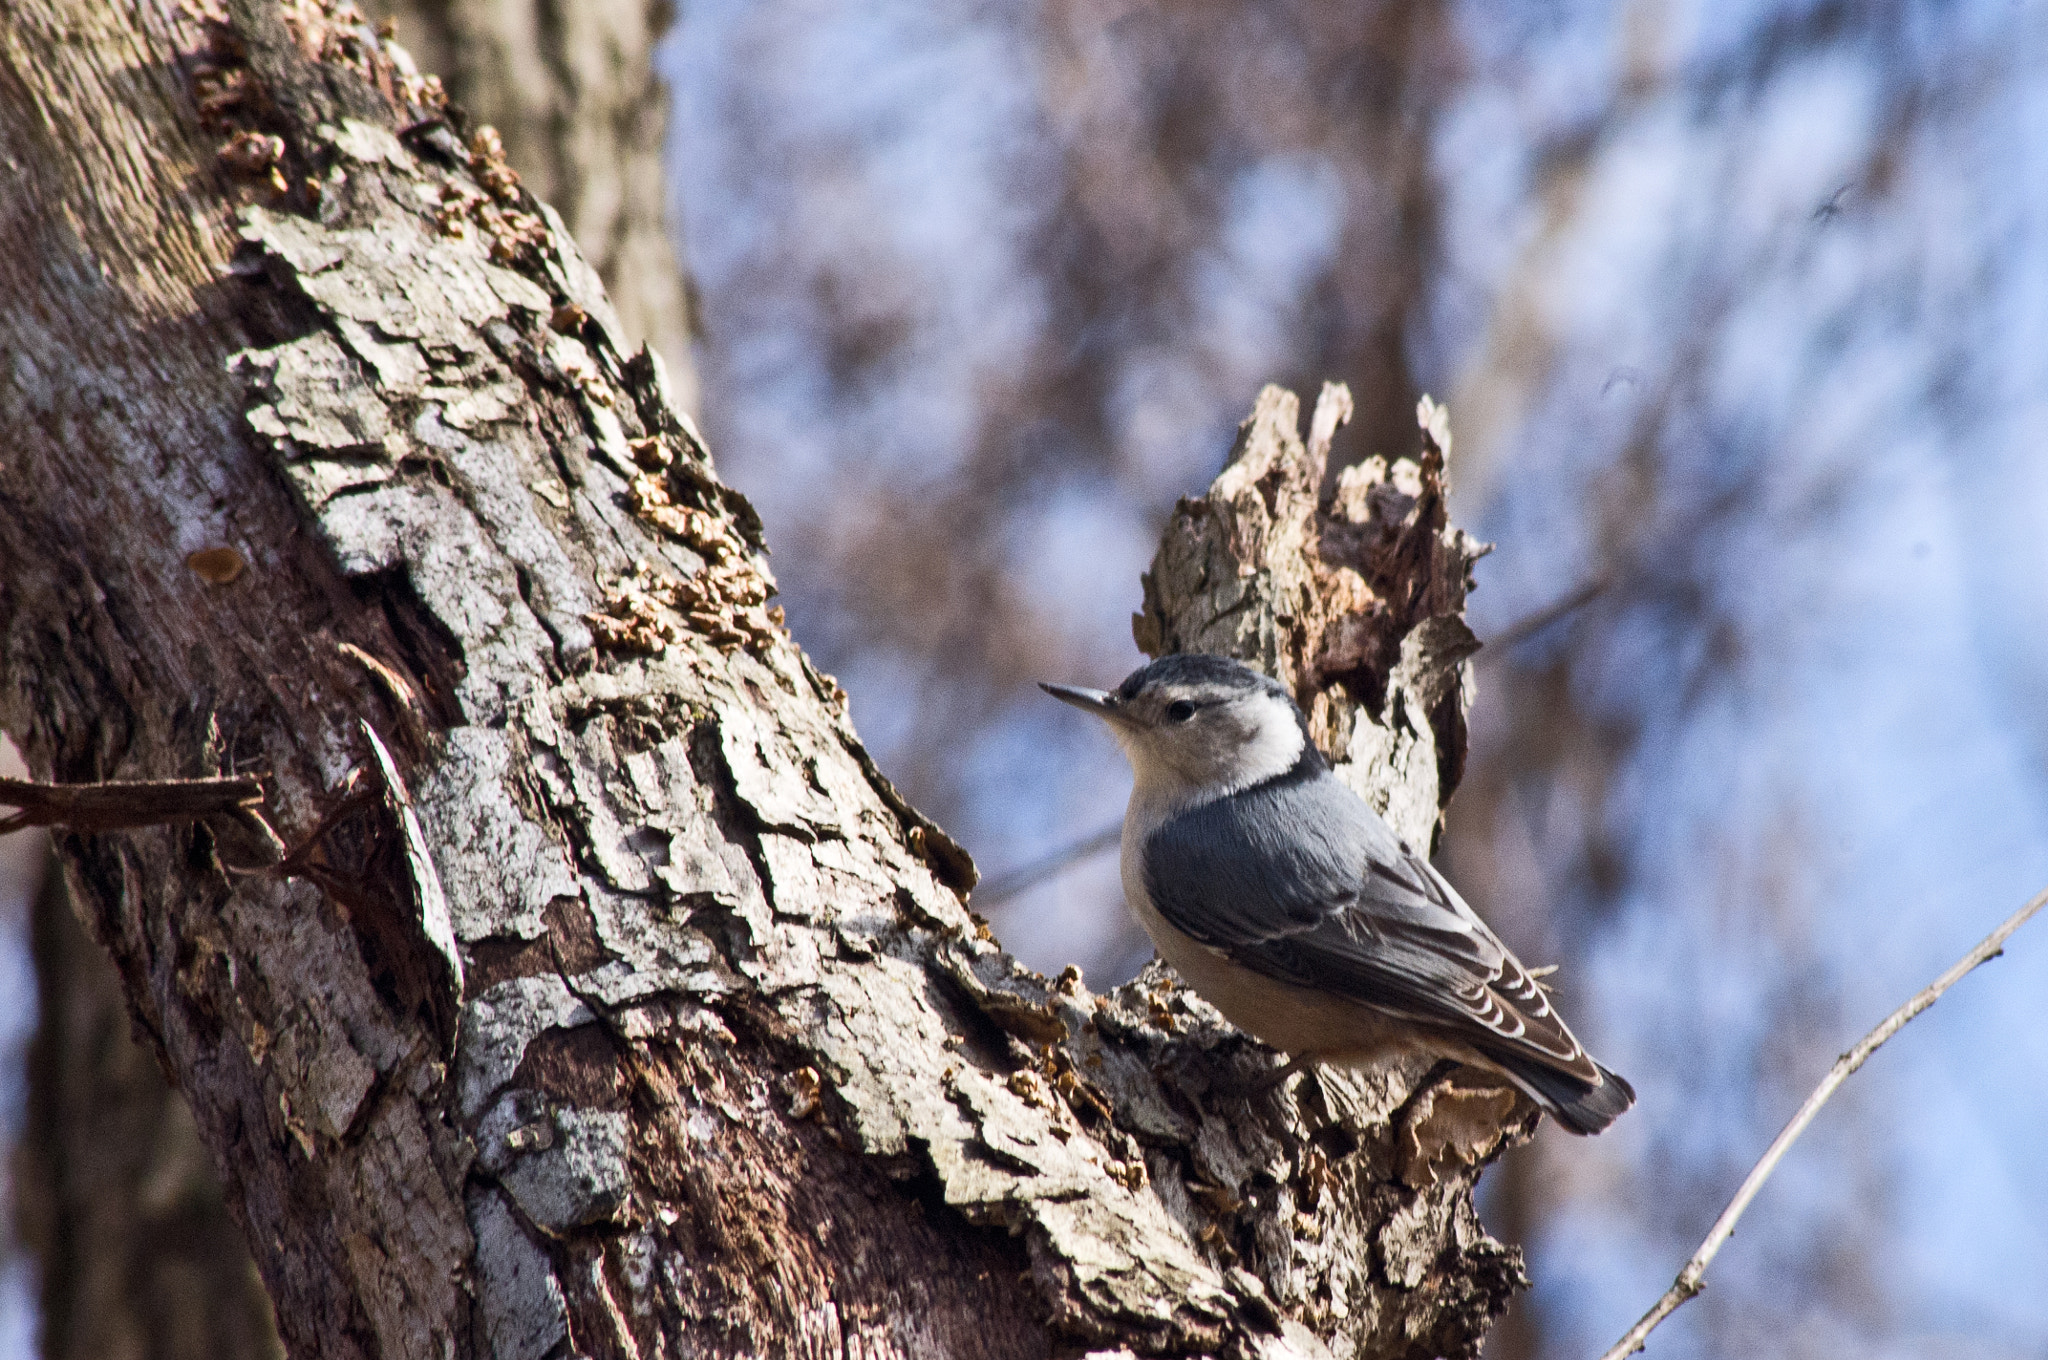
(1180,710)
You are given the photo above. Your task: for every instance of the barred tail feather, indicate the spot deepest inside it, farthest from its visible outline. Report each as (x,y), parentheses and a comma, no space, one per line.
(1568,1099)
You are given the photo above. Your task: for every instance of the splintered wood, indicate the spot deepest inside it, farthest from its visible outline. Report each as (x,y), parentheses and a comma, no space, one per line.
(1348,588)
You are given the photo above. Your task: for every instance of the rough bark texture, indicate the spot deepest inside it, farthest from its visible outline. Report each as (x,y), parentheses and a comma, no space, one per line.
(570,85)
(610,1000)
(117,1197)
(572,89)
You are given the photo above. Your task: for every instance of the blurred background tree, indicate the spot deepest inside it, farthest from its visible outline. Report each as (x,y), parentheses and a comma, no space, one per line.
(1739,311)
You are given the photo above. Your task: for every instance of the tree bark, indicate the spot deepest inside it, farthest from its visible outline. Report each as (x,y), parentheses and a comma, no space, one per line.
(135,1251)
(608,999)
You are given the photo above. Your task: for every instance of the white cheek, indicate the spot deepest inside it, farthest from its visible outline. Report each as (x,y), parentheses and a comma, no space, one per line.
(1274,747)
(1171,777)
(1127,741)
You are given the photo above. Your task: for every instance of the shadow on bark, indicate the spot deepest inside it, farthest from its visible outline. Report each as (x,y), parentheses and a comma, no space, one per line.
(117,1201)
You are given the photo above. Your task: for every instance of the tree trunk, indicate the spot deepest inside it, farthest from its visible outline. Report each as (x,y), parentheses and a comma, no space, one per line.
(135,1251)
(608,998)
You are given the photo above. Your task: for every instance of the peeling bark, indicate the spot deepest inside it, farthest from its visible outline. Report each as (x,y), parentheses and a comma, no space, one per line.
(610,1000)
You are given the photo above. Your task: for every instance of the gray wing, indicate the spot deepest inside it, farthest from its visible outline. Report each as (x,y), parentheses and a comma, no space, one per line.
(1301,880)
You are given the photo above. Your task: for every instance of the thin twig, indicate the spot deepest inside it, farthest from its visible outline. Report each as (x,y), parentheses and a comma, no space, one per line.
(1689,1281)
(1529,625)
(1020,881)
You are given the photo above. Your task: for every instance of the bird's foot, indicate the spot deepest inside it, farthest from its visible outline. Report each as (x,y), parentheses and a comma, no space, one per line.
(1278,1077)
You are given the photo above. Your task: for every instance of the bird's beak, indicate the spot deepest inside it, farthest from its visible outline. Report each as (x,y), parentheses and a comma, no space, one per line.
(1100,702)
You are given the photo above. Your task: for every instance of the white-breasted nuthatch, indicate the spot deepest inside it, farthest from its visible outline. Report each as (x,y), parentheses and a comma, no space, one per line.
(1292,907)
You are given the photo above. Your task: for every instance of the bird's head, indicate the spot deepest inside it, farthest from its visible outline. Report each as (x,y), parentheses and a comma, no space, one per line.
(1196,727)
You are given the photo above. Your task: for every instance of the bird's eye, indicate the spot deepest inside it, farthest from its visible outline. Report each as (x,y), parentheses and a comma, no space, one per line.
(1180,710)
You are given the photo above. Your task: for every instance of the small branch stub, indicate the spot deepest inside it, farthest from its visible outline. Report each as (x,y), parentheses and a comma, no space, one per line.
(119,805)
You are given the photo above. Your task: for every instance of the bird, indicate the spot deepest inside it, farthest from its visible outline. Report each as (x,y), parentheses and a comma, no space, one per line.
(1283,899)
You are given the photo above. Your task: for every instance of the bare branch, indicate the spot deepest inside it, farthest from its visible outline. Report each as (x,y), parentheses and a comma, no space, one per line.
(123,804)
(1001,889)
(1690,1279)
(1526,627)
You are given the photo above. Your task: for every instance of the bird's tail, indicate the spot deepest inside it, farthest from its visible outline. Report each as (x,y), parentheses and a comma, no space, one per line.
(1569,1100)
